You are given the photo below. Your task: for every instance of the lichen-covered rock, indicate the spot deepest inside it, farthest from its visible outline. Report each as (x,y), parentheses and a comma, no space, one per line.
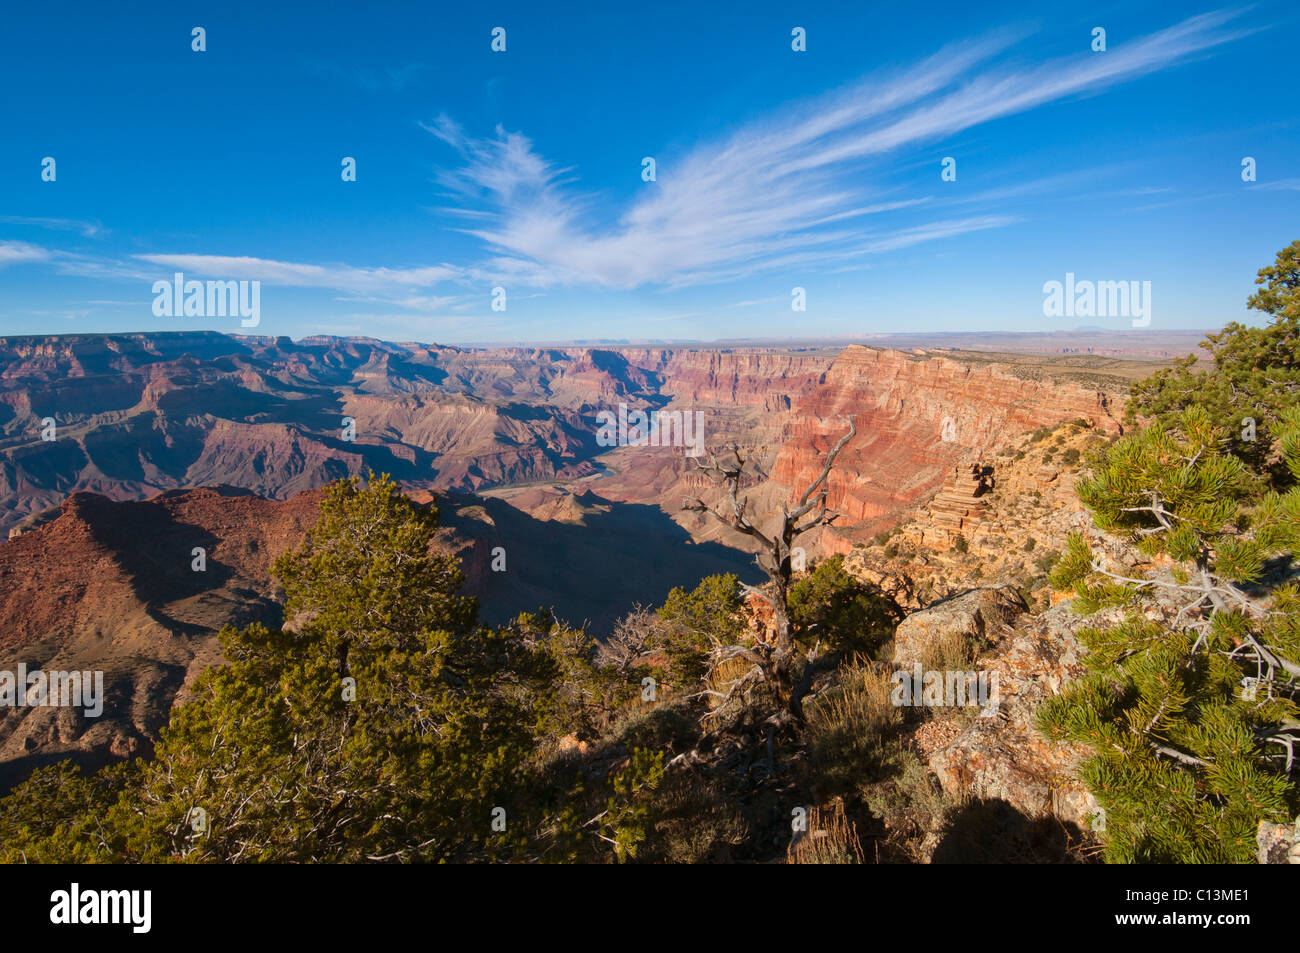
(978,616)
(1000,755)
(1278,843)
(1004,757)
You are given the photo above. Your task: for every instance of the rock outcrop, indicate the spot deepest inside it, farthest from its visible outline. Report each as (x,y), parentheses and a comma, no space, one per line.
(957,507)
(978,599)
(918,416)
(999,755)
(976,618)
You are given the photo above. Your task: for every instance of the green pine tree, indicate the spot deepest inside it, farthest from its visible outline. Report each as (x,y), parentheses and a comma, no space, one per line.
(1190,701)
(371,727)
(844,614)
(382,723)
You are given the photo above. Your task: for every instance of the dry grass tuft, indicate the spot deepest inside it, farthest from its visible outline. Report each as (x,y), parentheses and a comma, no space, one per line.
(830,838)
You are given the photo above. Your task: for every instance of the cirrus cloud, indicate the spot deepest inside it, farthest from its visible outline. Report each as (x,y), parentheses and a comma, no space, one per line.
(784,189)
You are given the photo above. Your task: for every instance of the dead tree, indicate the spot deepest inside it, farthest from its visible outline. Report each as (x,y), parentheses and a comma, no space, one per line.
(773,663)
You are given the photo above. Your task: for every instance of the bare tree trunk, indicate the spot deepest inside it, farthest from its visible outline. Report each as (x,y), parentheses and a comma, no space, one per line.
(775,558)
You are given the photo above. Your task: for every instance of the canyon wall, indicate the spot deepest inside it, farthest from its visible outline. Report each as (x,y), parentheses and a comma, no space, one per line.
(917,416)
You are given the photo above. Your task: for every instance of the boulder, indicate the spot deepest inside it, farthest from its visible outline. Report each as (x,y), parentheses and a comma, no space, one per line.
(1001,755)
(1004,757)
(978,615)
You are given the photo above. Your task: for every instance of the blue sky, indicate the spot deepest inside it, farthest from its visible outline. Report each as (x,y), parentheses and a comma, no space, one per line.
(522,169)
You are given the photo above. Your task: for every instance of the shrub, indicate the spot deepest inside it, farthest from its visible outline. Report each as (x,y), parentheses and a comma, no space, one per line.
(848,616)
(1183,761)
(951,652)
(689,623)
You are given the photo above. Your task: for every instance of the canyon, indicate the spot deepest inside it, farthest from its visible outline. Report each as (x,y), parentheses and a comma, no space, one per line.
(122,454)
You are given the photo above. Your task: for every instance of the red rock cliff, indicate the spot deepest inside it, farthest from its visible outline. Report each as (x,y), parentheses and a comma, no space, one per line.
(917,416)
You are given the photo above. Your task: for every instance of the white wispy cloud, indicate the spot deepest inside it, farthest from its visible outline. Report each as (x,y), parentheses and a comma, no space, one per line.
(782,190)
(395,286)
(339,277)
(87,229)
(14,253)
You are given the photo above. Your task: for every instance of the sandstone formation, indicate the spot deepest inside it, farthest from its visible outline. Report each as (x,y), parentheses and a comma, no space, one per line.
(137,414)
(957,507)
(111,586)
(918,416)
(975,617)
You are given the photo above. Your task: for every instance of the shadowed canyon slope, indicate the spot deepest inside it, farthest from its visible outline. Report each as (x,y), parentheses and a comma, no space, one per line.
(81,592)
(90,427)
